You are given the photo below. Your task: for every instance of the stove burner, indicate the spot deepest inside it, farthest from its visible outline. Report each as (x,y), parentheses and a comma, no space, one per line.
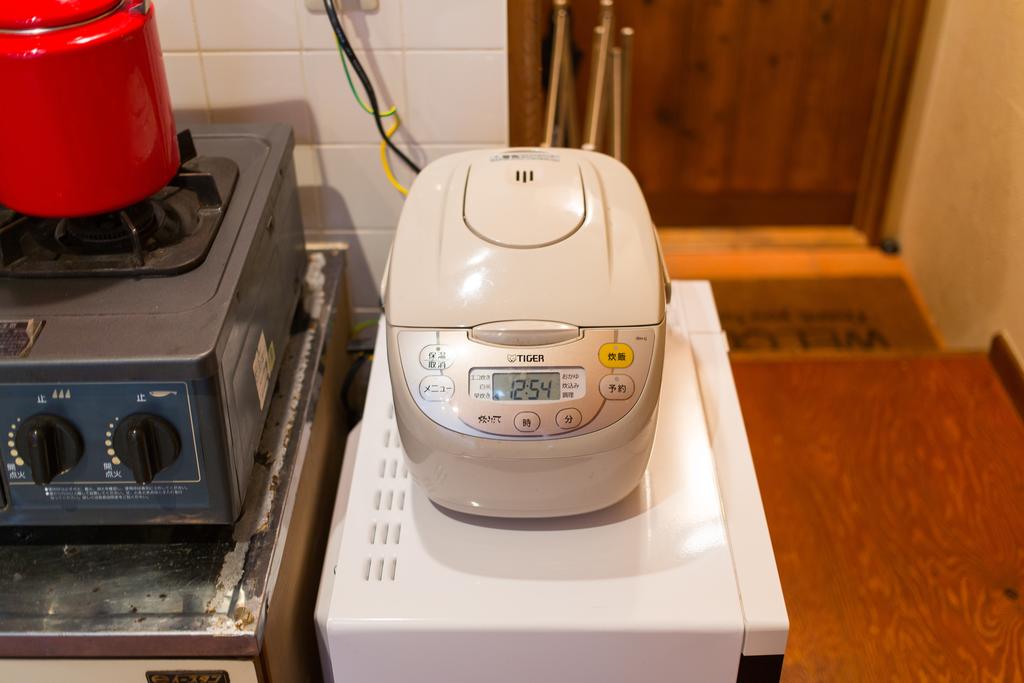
(169,233)
(131,229)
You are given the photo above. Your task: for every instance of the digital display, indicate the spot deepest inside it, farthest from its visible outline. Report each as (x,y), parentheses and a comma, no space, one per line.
(526,386)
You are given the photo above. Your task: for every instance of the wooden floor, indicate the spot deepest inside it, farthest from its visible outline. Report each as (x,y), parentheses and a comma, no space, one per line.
(894,492)
(893,485)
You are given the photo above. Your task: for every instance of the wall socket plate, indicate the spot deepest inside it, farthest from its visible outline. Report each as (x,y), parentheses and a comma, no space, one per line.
(317,6)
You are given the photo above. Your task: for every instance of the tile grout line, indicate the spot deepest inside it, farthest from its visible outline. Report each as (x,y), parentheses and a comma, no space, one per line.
(317,209)
(420,144)
(312,131)
(406,101)
(376,230)
(250,53)
(314,50)
(298,6)
(202,62)
(504,78)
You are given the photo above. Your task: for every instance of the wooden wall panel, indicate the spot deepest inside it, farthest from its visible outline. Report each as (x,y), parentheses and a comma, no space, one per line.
(810,159)
(773,47)
(704,135)
(862,85)
(749,111)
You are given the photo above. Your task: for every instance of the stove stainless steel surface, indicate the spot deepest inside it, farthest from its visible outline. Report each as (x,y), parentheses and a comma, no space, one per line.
(135,367)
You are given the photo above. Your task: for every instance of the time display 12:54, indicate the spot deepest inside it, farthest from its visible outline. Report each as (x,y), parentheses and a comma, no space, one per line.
(526,386)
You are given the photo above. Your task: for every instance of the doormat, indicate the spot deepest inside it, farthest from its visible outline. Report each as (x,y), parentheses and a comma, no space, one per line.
(844,315)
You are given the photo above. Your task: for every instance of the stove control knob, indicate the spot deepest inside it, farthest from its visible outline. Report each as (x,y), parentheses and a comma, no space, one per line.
(147,444)
(50,445)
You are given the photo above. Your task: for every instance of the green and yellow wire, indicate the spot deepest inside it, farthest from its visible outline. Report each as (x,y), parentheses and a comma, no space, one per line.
(365,325)
(392,112)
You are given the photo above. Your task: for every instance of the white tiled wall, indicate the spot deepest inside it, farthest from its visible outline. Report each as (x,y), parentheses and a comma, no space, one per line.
(443,63)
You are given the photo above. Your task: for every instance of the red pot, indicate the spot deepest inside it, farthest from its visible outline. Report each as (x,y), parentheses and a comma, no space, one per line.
(86,124)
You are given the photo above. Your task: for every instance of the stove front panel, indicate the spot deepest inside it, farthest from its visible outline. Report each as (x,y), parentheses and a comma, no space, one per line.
(107,453)
(215,330)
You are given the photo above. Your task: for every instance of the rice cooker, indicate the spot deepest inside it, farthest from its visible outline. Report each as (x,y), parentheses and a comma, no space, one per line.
(525,311)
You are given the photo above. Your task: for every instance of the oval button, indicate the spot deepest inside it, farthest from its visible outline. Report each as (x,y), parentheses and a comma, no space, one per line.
(615,355)
(437,388)
(569,418)
(436,357)
(617,387)
(527,422)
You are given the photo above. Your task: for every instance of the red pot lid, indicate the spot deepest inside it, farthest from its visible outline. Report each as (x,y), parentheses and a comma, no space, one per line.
(26,15)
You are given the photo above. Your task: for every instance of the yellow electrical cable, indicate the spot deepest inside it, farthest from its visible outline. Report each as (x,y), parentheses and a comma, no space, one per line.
(384,158)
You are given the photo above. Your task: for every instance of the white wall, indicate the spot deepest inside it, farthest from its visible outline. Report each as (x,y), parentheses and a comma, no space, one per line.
(442,62)
(958,199)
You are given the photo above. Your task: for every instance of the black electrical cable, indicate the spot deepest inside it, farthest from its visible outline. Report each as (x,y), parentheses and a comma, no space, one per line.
(371,94)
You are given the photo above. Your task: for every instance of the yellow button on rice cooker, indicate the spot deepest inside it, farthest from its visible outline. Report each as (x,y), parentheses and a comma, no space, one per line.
(615,355)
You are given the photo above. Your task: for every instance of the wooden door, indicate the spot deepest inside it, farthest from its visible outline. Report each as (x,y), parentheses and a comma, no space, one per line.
(757,112)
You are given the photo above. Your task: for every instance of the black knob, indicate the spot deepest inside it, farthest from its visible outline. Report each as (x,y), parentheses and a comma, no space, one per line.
(50,445)
(147,444)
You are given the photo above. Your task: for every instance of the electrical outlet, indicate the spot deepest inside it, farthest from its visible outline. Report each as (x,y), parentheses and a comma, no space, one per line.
(317,6)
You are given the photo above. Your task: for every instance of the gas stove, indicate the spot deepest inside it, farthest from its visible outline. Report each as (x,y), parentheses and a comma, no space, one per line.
(138,348)
(168,233)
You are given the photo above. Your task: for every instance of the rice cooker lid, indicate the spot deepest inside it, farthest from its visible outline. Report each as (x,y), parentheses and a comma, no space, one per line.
(526,203)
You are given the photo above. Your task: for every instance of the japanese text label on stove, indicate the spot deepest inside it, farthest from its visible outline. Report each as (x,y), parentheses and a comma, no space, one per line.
(18,336)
